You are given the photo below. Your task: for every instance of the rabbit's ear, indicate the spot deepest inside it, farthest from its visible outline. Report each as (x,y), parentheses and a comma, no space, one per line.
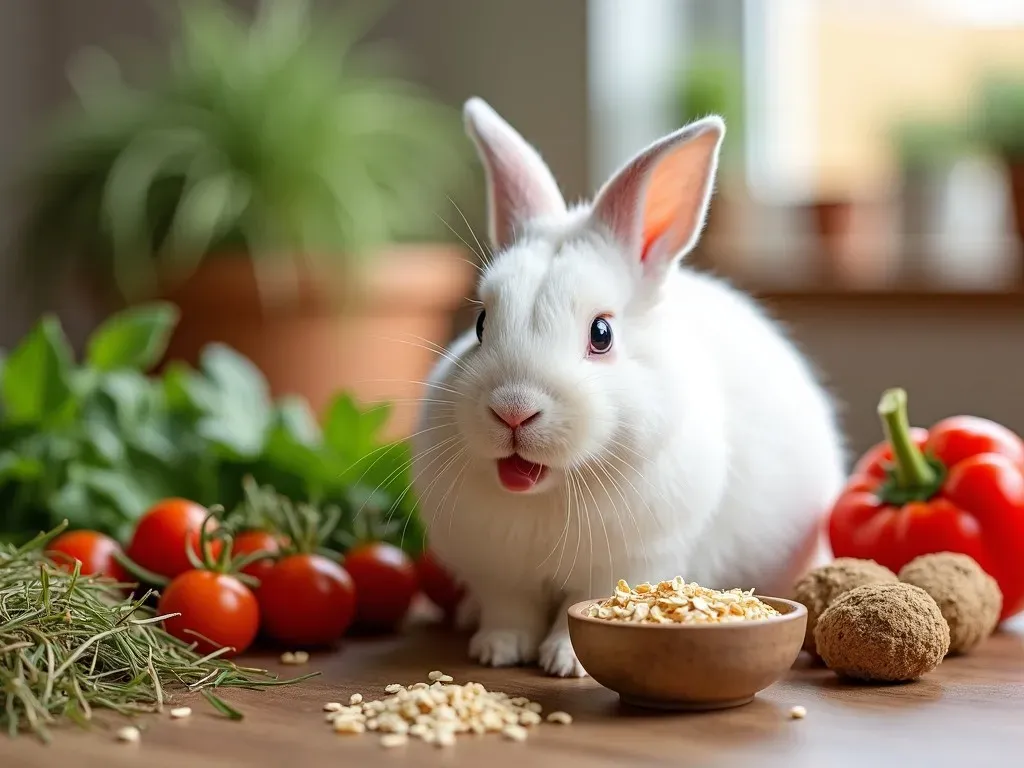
(520,186)
(656,204)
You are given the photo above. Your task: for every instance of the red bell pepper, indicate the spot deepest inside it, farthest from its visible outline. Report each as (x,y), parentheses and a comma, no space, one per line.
(958,487)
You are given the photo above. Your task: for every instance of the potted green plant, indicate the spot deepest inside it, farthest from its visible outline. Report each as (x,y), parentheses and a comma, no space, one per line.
(926,150)
(711,83)
(274,181)
(1000,127)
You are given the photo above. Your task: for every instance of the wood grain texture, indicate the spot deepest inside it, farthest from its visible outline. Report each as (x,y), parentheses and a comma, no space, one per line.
(969,712)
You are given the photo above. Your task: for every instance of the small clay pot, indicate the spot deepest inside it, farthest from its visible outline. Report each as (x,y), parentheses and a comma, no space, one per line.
(689,666)
(370,336)
(833,224)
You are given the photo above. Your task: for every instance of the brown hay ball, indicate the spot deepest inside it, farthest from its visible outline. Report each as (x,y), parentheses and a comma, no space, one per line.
(820,586)
(970,599)
(883,632)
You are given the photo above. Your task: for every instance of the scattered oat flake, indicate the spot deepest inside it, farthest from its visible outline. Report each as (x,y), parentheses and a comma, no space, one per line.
(298,657)
(514,733)
(355,698)
(446,679)
(128,734)
(389,740)
(798,712)
(180,712)
(529,718)
(332,706)
(445,738)
(435,675)
(348,725)
(560,718)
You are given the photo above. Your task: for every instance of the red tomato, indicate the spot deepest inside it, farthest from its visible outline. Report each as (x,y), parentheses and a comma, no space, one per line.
(215,605)
(248,542)
(438,584)
(158,544)
(386,584)
(307,600)
(94,550)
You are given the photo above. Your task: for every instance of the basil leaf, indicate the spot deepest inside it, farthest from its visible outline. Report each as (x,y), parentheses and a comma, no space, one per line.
(237,402)
(135,339)
(295,417)
(37,377)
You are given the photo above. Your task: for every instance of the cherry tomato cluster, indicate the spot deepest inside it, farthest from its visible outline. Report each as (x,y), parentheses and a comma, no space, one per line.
(222,589)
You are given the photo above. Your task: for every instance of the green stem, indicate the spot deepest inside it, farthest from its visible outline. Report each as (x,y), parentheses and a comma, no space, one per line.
(911,469)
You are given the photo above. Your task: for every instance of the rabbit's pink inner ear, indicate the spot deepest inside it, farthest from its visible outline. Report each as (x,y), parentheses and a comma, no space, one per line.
(655,206)
(675,202)
(520,186)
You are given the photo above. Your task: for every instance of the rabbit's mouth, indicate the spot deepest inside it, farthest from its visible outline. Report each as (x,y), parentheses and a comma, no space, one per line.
(518,474)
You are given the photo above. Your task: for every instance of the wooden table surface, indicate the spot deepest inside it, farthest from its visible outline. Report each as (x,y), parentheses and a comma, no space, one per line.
(969,712)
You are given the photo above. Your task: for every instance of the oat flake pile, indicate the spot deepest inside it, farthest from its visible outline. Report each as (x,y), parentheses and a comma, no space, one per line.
(437,712)
(677,602)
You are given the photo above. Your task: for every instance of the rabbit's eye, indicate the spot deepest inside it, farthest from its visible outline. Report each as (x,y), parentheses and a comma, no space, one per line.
(480,325)
(600,336)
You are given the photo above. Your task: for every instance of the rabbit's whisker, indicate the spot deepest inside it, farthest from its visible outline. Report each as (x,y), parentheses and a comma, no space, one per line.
(465,243)
(429,346)
(604,466)
(450,442)
(565,531)
(427,385)
(615,509)
(448,463)
(574,505)
(490,254)
(459,479)
(607,538)
(385,449)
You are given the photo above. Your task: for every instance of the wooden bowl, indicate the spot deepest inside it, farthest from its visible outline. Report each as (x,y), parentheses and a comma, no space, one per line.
(688,666)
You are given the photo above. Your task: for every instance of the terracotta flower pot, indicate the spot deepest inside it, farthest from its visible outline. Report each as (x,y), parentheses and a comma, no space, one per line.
(833,224)
(316,337)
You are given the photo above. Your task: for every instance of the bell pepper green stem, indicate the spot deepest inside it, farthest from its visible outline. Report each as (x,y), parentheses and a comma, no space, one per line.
(910,467)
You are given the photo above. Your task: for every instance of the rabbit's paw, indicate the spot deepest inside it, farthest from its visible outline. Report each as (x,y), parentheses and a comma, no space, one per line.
(503,647)
(557,657)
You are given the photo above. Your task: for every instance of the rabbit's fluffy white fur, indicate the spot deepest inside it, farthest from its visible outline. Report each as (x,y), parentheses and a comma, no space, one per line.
(700,444)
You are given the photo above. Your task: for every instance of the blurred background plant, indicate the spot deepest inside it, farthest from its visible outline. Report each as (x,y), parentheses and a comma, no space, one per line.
(926,151)
(280,137)
(275,180)
(1000,125)
(711,83)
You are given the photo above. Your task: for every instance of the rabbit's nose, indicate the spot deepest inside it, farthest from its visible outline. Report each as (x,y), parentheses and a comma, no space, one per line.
(513,416)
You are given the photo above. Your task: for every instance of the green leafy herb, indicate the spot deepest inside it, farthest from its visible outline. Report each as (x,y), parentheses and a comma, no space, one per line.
(134,339)
(998,117)
(70,645)
(99,442)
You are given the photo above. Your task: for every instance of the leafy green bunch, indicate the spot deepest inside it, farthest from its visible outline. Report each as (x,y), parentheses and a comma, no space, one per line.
(922,143)
(97,442)
(281,136)
(999,114)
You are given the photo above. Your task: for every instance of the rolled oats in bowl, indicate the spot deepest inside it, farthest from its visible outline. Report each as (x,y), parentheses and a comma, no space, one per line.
(679,602)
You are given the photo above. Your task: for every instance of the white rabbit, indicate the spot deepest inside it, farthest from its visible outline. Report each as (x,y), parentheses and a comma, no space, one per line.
(614,415)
